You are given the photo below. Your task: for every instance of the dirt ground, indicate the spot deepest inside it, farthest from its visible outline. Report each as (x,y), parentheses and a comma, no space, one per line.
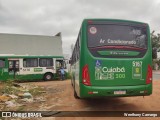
(59,97)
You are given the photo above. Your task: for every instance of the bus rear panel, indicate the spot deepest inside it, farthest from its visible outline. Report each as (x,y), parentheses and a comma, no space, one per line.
(115,59)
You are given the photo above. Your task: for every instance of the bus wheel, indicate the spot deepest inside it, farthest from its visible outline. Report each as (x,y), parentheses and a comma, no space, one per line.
(48,76)
(72,82)
(75,94)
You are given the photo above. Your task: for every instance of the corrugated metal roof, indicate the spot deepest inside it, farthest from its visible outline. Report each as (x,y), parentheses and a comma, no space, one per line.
(19,44)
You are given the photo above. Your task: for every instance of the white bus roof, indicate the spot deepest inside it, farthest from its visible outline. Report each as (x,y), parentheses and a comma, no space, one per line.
(38,45)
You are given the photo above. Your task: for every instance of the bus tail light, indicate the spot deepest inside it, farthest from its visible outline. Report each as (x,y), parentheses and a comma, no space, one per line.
(90,21)
(85,76)
(149,75)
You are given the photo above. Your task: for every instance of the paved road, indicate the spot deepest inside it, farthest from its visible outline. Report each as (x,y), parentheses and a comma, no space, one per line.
(156,76)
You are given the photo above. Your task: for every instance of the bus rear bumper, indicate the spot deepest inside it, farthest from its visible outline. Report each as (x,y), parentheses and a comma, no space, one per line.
(115,91)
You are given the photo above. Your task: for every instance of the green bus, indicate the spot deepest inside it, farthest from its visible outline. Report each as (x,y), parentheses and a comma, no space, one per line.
(112,57)
(16,67)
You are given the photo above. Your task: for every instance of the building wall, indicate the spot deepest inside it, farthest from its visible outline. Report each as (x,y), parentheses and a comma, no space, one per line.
(30,44)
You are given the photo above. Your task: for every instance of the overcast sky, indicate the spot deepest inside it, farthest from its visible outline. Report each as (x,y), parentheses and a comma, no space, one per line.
(48,17)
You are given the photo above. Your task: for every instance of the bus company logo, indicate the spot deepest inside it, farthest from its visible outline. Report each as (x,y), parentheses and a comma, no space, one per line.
(113,70)
(93,30)
(38,69)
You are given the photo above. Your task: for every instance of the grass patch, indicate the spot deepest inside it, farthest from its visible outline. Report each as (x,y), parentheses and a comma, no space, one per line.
(9,87)
(21,108)
(36,91)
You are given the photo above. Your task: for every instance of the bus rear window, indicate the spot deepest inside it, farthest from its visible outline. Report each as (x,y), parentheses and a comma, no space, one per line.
(117,35)
(114,40)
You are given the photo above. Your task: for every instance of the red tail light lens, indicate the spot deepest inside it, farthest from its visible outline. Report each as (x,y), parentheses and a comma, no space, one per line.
(149,75)
(85,76)
(90,21)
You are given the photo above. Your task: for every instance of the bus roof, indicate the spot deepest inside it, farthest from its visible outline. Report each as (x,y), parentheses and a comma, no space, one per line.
(116,20)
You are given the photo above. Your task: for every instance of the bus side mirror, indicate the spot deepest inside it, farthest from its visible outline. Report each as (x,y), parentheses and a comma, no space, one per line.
(69,61)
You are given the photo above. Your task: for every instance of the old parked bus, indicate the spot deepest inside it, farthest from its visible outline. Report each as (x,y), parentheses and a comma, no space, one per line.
(30,67)
(112,58)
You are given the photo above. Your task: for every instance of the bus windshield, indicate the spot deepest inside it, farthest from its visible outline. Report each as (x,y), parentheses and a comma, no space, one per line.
(100,35)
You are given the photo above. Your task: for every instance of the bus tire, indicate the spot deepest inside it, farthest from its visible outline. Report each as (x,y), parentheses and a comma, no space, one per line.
(72,81)
(75,94)
(48,76)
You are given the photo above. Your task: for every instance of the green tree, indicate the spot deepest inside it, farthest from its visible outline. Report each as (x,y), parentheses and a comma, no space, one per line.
(155,44)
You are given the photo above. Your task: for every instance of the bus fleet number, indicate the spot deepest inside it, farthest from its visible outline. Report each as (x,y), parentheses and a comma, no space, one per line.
(137,63)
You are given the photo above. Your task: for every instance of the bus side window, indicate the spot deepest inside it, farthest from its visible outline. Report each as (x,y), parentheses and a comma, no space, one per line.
(45,62)
(2,63)
(24,62)
(30,62)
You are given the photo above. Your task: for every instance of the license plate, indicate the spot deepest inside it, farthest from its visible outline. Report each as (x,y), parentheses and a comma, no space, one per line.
(120,92)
